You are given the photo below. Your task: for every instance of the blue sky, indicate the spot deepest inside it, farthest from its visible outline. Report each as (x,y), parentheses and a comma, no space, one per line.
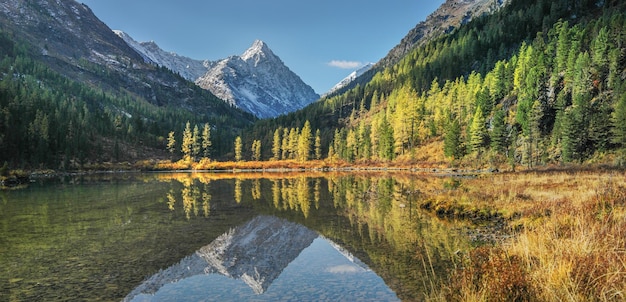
(322,41)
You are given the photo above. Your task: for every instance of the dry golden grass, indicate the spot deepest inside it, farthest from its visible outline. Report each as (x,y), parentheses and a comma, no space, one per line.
(571,243)
(427,155)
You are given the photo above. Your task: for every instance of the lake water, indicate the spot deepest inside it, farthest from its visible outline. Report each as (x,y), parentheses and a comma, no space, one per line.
(224,237)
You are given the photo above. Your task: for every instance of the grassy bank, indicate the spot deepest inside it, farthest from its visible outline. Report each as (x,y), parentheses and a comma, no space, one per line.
(569,240)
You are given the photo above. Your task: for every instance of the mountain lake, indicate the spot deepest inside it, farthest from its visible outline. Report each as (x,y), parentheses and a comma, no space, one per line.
(225,237)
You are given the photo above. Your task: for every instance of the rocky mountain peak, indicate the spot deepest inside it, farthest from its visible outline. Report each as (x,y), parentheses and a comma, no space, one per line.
(66,30)
(259,50)
(257,81)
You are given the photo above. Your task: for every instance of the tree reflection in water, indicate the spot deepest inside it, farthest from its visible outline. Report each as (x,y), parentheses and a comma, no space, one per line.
(373,216)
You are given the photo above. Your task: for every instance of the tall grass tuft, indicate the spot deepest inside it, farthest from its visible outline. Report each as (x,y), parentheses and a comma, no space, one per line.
(569,244)
(490,274)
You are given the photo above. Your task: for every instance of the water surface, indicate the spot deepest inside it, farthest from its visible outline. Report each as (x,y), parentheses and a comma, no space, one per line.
(220,237)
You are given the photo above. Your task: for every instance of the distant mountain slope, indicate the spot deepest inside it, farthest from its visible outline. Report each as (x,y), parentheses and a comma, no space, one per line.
(450,15)
(257,81)
(72,40)
(188,68)
(351,77)
(82,77)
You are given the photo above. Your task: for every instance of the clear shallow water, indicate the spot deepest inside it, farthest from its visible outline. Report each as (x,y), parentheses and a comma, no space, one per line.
(319,271)
(222,237)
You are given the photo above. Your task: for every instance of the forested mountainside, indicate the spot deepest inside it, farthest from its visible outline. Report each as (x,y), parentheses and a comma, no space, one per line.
(536,82)
(72,92)
(448,17)
(49,120)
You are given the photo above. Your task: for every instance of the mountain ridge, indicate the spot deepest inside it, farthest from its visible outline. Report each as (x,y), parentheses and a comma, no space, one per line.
(348,79)
(122,107)
(449,16)
(188,68)
(257,81)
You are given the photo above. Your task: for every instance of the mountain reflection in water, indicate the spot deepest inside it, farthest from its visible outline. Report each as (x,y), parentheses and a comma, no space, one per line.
(276,259)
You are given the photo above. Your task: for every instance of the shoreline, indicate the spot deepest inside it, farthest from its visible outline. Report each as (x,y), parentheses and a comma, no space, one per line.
(13,178)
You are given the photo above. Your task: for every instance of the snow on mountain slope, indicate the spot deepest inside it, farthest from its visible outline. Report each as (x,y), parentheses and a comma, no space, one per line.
(257,81)
(188,68)
(351,77)
(67,37)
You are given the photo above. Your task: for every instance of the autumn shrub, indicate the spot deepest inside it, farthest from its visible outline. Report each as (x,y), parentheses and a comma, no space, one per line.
(596,277)
(490,274)
(204,164)
(568,243)
(609,197)
(167,165)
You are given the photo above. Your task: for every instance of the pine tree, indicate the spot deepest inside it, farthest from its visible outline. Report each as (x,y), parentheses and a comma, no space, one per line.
(575,126)
(365,143)
(331,152)
(256,150)
(318,145)
(534,133)
(304,142)
(351,146)
(293,142)
(618,120)
(206,140)
(171,142)
(285,144)
(562,46)
(600,47)
(238,148)
(374,101)
(197,142)
(570,141)
(187,143)
(276,146)
(498,132)
(452,140)
(478,131)
(386,141)
(339,143)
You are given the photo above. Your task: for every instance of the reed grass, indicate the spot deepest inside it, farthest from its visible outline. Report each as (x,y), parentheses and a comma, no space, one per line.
(570,244)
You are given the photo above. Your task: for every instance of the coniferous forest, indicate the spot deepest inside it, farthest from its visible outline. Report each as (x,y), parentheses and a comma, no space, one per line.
(537,82)
(48,120)
(534,83)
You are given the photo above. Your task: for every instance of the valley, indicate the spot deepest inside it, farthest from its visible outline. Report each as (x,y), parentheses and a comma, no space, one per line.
(501,124)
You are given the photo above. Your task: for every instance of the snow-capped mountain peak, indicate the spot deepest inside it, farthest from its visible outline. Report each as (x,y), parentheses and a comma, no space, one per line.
(257,51)
(257,81)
